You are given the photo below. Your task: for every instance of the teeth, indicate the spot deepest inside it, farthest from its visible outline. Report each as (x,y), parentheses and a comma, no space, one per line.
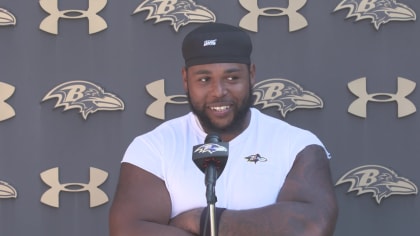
(222,108)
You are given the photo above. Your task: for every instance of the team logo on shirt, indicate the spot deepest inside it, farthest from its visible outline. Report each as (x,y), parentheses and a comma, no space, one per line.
(256,158)
(178,12)
(284,94)
(378,180)
(379,11)
(211,148)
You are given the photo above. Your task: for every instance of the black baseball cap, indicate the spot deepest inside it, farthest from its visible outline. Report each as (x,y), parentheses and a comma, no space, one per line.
(216,43)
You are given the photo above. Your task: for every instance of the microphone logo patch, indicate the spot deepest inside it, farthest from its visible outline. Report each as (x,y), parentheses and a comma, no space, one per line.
(210,148)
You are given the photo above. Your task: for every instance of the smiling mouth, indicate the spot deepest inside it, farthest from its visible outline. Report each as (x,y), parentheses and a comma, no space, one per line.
(220,108)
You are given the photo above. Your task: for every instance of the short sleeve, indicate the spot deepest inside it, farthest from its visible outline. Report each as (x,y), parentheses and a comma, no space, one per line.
(145,155)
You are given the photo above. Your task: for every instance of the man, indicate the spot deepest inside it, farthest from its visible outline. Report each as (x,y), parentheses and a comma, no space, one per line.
(276,181)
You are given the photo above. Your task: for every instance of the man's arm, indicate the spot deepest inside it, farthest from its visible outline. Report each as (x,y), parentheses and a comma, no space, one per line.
(305,206)
(141,205)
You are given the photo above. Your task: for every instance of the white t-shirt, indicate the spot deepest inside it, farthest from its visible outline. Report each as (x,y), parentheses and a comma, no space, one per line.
(258,163)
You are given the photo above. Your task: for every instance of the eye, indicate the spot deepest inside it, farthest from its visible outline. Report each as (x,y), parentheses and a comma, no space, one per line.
(204,79)
(232,78)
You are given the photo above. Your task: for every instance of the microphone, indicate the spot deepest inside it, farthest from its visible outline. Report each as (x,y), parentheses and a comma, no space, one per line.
(211,158)
(212,152)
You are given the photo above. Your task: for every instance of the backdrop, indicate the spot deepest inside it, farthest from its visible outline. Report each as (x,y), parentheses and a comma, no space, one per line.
(79,79)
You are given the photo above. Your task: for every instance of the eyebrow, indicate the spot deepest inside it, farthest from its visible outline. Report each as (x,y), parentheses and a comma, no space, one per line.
(206,72)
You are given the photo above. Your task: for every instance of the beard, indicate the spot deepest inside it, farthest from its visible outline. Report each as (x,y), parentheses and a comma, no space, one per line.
(236,124)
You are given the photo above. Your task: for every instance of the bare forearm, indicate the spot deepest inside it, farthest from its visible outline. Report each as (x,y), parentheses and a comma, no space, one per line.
(288,218)
(147,229)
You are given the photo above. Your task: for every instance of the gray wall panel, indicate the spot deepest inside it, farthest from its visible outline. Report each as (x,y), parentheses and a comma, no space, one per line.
(133,52)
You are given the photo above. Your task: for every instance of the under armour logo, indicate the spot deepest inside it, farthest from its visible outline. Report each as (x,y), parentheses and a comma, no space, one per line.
(157,90)
(250,21)
(50,23)
(6,18)
(359,106)
(52,196)
(6,111)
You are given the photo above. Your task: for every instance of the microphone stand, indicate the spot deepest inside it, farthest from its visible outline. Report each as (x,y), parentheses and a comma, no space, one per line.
(210,181)
(211,158)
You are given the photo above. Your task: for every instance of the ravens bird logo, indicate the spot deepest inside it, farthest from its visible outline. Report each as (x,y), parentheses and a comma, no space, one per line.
(85,96)
(7,191)
(6,18)
(379,11)
(179,12)
(256,158)
(210,148)
(284,94)
(378,180)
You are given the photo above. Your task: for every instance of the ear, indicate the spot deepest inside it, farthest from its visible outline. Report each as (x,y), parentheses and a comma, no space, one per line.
(184,78)
(252,74)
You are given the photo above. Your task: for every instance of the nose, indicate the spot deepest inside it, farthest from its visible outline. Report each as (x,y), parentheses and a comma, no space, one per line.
(219,88)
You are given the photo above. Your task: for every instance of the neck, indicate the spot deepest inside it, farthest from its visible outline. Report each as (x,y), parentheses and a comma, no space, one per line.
(232,132)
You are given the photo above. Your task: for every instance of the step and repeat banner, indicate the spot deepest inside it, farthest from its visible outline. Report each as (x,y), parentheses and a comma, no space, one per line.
(79,79)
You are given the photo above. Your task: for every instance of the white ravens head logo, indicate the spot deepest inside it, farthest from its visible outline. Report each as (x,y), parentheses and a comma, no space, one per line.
(210,148)
(379,11)
(378,180)
(179,12)
(284,94)
(85,96)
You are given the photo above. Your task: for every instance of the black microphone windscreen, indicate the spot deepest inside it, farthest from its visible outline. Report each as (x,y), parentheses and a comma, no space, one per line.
(213,151)
(212,138)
